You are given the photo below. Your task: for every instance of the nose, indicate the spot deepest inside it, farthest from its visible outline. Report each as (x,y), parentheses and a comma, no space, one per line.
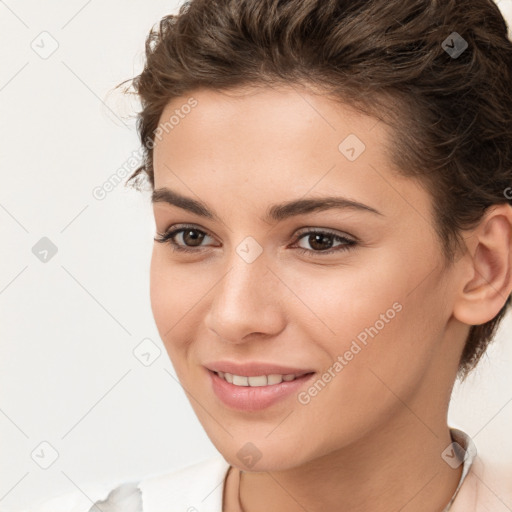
(246,302)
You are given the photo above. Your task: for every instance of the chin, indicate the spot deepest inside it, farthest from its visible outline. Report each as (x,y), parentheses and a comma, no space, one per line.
(272,461)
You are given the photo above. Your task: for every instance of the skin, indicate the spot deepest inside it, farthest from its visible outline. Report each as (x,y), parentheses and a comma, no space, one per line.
(372,439)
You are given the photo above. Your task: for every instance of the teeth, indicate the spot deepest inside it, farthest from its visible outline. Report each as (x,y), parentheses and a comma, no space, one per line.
(240,381)
(274,379)
(260,380)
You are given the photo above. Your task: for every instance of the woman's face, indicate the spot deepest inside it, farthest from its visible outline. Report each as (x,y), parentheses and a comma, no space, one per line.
(370,317)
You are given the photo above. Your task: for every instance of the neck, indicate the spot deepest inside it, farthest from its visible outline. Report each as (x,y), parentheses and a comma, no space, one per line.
(395,468)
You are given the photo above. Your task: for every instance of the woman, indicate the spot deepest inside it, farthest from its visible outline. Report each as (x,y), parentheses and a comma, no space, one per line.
(330,184)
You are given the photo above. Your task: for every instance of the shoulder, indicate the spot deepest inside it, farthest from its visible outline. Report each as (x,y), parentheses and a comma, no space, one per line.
(494,484)
(486,488)
(125,496)
(196,486)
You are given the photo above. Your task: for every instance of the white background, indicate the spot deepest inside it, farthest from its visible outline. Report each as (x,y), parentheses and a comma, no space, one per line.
(68,327)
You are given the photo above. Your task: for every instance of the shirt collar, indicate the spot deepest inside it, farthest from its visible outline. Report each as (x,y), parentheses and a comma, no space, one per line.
(464,450)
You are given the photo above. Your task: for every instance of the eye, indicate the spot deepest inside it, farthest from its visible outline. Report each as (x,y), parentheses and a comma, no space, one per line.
(322,243)
(188,234)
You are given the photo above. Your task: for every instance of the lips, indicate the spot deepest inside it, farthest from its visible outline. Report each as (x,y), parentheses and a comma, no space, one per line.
(252,399)
(256,368)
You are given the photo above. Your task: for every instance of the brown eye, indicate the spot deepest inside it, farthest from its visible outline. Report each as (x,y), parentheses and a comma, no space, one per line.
(322,242)
(190,238)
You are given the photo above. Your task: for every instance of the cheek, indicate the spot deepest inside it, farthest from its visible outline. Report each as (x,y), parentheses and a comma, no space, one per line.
(379,321)
(162,298)
(338,304)
(178,294)
(171,297)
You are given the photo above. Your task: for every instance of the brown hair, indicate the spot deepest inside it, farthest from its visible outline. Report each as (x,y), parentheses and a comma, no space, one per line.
(451,114)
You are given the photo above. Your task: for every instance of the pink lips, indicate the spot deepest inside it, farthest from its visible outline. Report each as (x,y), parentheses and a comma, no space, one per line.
(249,398)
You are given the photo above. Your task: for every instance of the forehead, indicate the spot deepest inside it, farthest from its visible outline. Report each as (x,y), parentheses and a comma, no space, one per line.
(279,143)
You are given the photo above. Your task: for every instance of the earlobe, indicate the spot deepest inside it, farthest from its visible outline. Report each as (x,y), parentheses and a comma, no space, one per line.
(488,263)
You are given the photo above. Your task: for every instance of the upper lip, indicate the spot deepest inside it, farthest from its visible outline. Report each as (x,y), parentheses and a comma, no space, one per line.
(254,368)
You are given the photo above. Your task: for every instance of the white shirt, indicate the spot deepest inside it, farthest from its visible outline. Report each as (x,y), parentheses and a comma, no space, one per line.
(199,488)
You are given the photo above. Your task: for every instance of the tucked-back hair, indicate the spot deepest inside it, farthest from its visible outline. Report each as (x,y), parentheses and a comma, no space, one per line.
(397,60)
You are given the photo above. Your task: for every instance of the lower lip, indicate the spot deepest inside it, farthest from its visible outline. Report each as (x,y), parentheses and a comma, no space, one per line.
(248,398)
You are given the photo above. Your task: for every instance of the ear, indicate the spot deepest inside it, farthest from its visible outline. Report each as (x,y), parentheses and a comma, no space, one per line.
(486,268)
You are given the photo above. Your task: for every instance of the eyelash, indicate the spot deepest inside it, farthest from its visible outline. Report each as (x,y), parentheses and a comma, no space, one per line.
(168,236)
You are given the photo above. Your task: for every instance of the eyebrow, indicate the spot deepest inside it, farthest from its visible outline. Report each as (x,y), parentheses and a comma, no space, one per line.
(276,212)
